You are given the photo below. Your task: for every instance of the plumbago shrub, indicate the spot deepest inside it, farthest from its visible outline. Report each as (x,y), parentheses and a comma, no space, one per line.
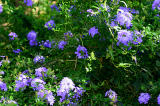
(79,52)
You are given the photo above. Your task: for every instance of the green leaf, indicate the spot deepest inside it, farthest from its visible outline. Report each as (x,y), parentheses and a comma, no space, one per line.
(124,65)
(93,56)
(158,63)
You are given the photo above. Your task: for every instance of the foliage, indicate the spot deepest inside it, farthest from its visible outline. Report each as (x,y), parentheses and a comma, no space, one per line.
(95,46)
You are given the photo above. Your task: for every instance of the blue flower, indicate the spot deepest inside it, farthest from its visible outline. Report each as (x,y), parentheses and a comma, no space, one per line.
(90,11)
(92,31)
(17,51)
(47,44)
(61,44)
(65,86)
(39,59)
(156,4)
(48,95)
(125,9)
(33,43)
(158,99)
(113,24)
(54,6)
(69,33)
(124,37)
(81,52)
(26,72)
(133,11)
(2,72)
(137,38)
(1,9)
(144,98)
(1,63)
(12,35)
(50,24)
(124,18)
(3,86)
(37,84)
(50,98)
(78,92)
(112,95)
(28,2)
(41,71)
(32,35)
(22,82)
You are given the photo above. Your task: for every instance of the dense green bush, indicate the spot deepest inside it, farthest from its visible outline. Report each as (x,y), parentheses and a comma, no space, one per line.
(81,52)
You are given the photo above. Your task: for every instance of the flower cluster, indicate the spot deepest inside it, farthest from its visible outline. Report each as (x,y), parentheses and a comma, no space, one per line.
(12,35)
(47,44)
(156,4)
(93,31)
(81,52)
(66,86)
(50,24)
(31,36)
(22,82)
(41,72)
(55,7)
(3,86)
(124,37)
(61,44)
(37,84)
(1,8)
(144,98)
(48,95)
(78,91)
(113,24)
(28,2)
(137,36)
(124,18)
(112,95)
(17,51)
(33,42)
(39,59)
